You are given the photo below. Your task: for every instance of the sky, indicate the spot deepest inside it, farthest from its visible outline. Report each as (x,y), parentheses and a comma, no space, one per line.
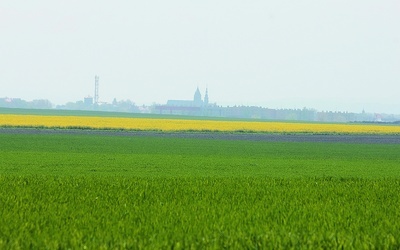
(332,55)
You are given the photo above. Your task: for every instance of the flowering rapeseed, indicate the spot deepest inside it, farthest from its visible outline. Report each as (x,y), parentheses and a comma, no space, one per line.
(189,125)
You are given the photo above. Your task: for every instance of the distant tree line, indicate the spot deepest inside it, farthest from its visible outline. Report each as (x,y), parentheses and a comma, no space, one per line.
(212,110)
(304,114)
(19,103)
(254,112)
(115,106)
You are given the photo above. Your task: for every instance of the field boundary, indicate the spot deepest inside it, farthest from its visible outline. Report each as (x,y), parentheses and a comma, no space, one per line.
(271,137)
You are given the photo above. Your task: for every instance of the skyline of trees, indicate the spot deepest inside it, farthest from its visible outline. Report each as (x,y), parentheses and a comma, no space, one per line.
(247,112)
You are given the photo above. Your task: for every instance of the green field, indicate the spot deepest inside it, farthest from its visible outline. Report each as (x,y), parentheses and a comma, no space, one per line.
(91,113)
(94,113)
(92,191)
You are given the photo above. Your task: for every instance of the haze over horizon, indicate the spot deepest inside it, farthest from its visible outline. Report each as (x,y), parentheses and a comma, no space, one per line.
(328,55)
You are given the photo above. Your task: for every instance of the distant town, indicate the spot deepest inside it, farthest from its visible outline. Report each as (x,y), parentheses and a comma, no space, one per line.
(198,106)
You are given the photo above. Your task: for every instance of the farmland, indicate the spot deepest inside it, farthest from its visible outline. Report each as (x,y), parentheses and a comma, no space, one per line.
(170,125)
(95,190)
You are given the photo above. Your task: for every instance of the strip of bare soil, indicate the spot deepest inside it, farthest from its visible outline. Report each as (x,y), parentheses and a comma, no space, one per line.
(376,139)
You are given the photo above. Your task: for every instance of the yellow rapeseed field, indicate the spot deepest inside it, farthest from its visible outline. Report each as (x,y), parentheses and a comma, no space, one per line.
(185,125)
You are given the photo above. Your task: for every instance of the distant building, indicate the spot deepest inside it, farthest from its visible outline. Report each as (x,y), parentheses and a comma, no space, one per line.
(205,98)
(197,106)
(196,102)
(88,100)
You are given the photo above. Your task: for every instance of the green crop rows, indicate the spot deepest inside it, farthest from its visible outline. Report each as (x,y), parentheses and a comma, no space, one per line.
(88,191)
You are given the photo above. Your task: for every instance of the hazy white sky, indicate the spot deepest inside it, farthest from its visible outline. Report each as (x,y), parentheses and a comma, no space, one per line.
(324,54)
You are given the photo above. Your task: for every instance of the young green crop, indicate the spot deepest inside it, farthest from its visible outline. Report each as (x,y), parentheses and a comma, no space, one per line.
(212,213)
(101,192)
(178,157)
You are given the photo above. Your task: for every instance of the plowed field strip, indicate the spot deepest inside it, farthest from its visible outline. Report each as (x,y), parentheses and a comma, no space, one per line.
(370,139)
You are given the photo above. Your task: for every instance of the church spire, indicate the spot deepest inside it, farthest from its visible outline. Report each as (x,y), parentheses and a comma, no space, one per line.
(197,98)
(206,97)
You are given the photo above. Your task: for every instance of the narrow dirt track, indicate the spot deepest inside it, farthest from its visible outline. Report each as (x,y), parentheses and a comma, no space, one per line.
(367,139)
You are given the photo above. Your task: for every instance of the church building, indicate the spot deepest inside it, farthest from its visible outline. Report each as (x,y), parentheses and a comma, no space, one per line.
(197,106)
(196,102)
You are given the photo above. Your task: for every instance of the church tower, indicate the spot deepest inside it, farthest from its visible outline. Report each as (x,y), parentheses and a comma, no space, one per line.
(197,98)
(206,98)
